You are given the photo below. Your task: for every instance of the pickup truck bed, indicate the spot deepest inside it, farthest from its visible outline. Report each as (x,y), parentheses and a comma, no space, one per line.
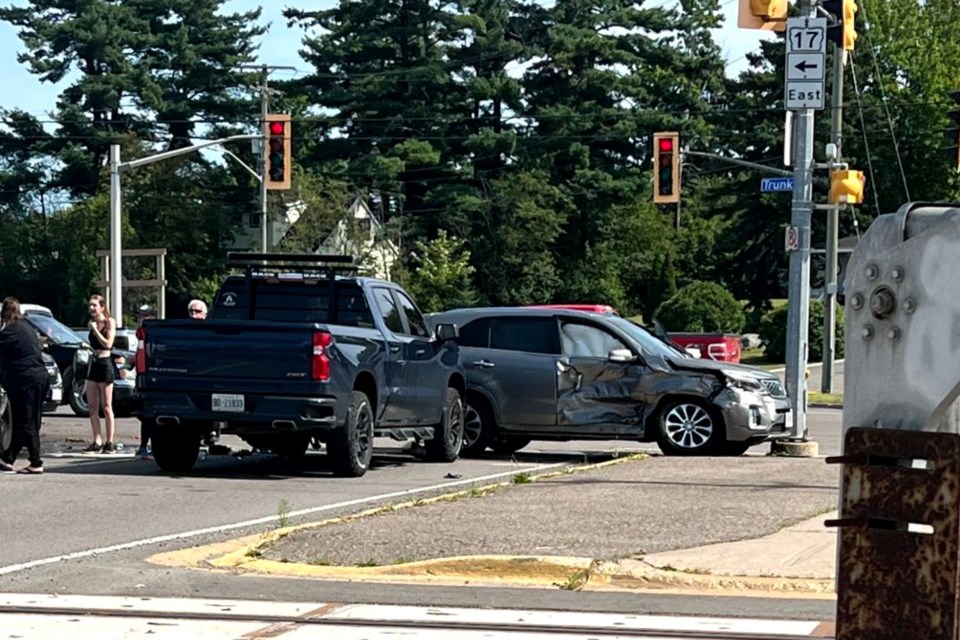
(284,361)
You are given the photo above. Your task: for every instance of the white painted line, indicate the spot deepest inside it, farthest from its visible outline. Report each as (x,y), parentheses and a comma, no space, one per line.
(81,627)
(521,620)
(13,568)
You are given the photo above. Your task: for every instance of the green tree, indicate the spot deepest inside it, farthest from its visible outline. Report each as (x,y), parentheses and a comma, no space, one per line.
(702,307)
(441,277)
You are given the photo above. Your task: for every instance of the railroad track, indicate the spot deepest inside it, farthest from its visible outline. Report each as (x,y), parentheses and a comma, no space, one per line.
(82,618)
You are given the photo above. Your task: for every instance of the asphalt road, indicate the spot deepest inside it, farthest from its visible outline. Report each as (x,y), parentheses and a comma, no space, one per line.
(87,525)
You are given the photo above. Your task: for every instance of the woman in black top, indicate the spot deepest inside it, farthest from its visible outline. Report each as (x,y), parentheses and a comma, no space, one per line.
(101,374)
(24,378)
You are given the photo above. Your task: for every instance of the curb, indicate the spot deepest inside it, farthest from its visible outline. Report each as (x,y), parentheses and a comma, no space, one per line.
(824,405)
(243,556)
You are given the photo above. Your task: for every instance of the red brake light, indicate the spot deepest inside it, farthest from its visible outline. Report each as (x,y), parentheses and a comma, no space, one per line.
(321,361)
(666,144)
(141,350)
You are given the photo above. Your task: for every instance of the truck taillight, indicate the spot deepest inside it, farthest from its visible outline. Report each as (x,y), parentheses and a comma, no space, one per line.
(141,350)
(321,359)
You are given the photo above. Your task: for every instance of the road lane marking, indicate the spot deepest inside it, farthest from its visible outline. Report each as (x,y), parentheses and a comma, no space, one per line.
(14,568)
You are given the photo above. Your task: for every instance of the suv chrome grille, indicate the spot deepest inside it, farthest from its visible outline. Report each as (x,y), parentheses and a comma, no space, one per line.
(774,388)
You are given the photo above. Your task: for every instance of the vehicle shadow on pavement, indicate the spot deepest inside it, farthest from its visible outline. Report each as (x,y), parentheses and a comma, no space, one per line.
(271,467)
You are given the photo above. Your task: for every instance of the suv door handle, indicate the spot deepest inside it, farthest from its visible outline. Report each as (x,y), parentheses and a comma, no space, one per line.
(394,348)
(484,364)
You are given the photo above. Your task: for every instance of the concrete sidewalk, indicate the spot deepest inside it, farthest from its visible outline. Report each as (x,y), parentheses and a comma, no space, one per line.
(804,550)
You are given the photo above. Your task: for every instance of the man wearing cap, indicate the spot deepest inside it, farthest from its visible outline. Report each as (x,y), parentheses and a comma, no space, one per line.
(145,312)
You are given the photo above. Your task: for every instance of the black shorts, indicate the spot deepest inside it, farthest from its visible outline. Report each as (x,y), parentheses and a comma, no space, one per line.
(101,370)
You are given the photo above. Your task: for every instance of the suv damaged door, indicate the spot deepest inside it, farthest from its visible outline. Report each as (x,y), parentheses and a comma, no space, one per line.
(598,380)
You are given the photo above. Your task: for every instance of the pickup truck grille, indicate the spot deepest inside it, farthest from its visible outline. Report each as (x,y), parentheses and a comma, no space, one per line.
(774,388)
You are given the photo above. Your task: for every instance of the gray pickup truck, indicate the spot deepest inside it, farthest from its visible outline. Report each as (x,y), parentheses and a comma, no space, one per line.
(300,348)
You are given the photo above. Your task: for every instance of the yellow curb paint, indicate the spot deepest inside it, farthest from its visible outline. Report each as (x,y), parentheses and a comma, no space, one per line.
(241,556)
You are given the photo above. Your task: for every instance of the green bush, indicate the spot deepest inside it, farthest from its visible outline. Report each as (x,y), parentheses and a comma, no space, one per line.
(773,333)
(701,307)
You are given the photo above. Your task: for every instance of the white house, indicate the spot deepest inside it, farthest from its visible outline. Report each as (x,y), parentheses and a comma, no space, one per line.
(360,234)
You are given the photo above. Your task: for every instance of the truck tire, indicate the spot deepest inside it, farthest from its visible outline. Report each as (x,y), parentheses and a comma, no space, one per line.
(351,454)
(75,392)
(448,435)
(175,450)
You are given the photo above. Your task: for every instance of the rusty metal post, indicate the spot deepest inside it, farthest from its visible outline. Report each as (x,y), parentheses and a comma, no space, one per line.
(898,565)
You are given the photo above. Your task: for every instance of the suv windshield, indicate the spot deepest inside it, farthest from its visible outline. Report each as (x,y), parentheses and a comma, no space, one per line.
(53,329)
(647,341)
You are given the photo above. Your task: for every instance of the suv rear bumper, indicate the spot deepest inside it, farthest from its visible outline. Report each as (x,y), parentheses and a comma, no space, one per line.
(261,414)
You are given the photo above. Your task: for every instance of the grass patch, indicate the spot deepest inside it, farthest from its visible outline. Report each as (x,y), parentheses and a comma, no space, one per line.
(832,399)
(522,478)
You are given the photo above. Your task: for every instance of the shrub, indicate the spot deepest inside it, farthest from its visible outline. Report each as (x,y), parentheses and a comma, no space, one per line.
(701,307)
(773,333)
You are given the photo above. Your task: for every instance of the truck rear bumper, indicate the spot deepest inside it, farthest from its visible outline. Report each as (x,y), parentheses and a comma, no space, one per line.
(253,414)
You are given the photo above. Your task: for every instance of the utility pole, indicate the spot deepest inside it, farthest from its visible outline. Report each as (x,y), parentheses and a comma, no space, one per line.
(805,89)
(265,70)
(833,232)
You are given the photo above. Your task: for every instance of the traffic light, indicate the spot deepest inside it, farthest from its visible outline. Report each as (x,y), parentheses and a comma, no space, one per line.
(277,144)
(846,187)
(770,15)
(844,32)
(953,134)
(666,167)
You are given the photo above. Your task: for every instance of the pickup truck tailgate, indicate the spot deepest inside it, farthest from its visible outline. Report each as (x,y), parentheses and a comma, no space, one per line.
(206,354)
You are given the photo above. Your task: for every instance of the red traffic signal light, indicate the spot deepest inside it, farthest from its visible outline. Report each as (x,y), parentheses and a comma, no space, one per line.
(666,167)
(277,149)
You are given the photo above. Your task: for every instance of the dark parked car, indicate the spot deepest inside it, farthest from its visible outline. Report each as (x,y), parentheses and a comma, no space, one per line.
(550,374)
(295,350)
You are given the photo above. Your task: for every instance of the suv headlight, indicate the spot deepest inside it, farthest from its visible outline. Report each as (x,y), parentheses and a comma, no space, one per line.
(739,380)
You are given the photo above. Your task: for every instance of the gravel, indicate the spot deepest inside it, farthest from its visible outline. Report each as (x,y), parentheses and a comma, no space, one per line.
(624,510)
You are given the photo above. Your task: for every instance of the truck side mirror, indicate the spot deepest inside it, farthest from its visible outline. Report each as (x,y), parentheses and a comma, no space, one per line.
(447,332)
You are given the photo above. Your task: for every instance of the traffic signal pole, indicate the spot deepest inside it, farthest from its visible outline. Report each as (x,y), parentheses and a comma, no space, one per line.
(798,307)
(833,234)
(116,207)
(265,70)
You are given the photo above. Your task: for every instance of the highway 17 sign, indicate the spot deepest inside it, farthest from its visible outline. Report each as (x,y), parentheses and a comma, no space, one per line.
(806,62)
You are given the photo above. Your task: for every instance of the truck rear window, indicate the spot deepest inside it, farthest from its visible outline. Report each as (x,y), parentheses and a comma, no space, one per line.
(294,301)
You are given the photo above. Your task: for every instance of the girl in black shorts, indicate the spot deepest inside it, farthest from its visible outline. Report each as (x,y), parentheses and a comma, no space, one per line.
(101,374)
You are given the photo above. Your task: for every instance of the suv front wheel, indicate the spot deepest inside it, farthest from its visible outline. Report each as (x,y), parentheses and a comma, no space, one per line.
(689,428)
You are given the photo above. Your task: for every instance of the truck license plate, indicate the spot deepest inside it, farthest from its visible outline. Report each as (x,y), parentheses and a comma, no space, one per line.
(227,402)
(56,395)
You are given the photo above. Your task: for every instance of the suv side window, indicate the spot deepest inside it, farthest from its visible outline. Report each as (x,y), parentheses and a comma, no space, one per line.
(475,333)
(587,341)
(388,310)
(530,335)
(418,326)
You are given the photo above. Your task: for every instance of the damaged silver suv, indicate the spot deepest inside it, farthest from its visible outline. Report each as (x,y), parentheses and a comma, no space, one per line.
(546,374)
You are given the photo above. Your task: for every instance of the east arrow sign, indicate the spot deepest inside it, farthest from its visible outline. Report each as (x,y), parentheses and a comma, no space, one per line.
(803,65)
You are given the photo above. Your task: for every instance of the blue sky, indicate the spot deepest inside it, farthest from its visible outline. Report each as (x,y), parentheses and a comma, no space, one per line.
(277,47)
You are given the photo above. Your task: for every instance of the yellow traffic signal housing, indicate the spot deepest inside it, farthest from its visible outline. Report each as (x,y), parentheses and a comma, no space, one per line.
(276,134)
(847,187)
(666,167)
(770,15)
(844,33)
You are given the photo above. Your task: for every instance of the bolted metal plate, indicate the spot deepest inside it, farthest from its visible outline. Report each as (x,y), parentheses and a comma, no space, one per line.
(894,583)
